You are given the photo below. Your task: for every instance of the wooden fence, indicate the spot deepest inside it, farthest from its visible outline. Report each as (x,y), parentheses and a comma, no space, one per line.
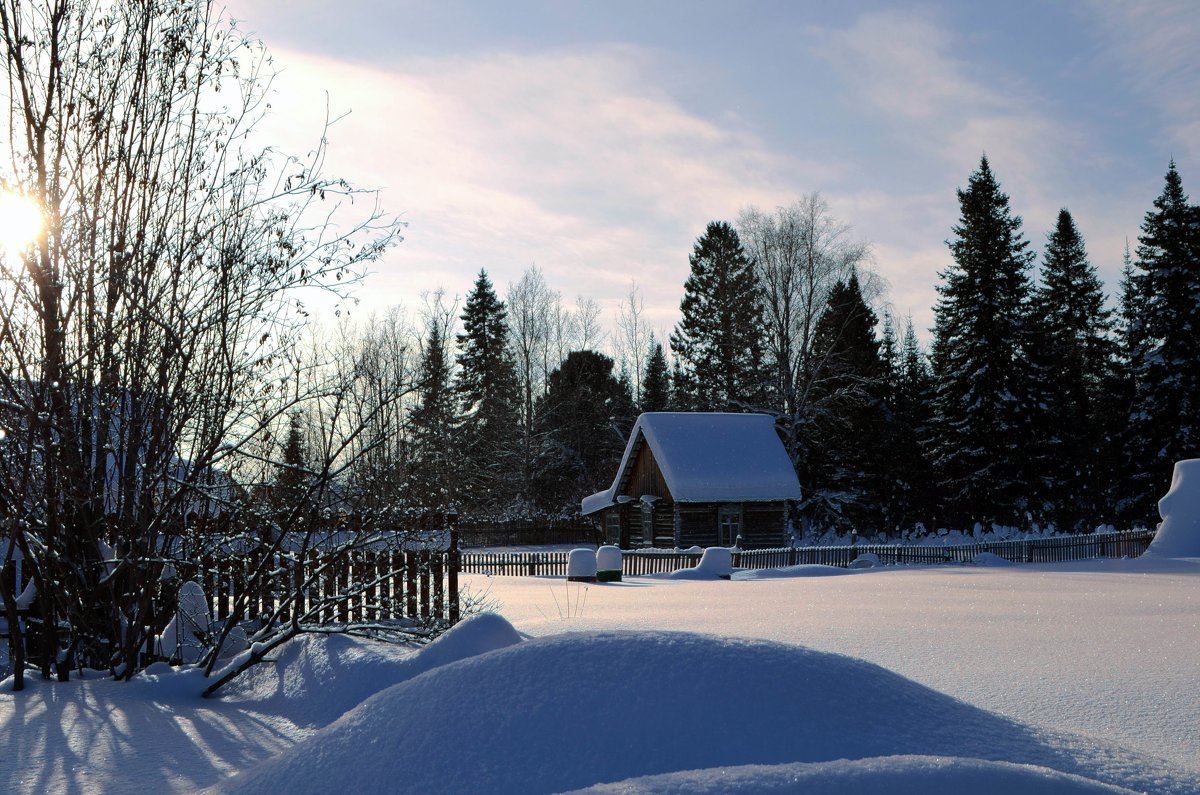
(362,586)
(358,586)
(509,534)
(654,561)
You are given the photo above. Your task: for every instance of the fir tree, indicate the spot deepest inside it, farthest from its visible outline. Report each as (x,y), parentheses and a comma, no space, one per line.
(1130,327)
(889,359)
(981,340)
(718,341)
(1165,421)
(584,420)
(432,422)
(845,467)
(914,493)
(1074,356)
(489,404)
(292,487)
(656,382)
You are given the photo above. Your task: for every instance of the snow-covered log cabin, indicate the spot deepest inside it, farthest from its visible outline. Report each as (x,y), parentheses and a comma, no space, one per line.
(698,479)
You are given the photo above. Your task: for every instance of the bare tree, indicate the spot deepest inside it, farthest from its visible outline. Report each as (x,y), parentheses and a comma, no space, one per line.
(150,335)
(563,337)
(800,252)
(377,362)
(530,303)
(587,324)
(633,338)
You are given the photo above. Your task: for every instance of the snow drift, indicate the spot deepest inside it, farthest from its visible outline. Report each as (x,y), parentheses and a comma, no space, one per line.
(581,709)
(1179,533)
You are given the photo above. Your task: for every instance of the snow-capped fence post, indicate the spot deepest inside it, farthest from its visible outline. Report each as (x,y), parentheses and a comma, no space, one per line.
(453,561)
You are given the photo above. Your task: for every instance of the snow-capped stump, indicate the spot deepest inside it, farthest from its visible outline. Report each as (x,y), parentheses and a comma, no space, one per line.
(608,564)
(581,565)
(1179,532)
(186,635)
(717,561)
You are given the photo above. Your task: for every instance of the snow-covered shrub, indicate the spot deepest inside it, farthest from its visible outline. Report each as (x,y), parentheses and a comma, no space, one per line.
(717,561)
(186,636)
(581,565)
(608,564)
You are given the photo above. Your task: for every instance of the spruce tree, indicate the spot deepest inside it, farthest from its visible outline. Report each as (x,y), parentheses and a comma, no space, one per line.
(1130,327)
(583,422)
(1074,375)
(718,340)
(431,420)
(489,404)
(914,495)
(980,364)
(656,380)
(293,480)
(1165,420)
(845,468)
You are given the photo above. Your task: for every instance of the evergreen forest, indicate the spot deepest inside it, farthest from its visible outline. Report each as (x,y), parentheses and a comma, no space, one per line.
(1041,402)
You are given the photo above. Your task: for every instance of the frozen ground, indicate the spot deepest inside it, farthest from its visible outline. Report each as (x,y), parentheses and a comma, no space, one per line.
(1064,678)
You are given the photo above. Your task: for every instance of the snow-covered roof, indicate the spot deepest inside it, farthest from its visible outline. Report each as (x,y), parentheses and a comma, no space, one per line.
(709,457)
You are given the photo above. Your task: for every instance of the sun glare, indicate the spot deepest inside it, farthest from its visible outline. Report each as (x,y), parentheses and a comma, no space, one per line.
(20,220)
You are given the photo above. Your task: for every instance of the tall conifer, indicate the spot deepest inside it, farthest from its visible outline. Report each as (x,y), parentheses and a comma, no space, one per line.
(845,470)
(656,381)
(981,340)
(489,403)
(431,418)
(1165,420)
(718,340)
(1075,355)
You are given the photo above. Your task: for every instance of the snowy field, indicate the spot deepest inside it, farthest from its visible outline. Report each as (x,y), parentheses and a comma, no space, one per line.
(1053,678)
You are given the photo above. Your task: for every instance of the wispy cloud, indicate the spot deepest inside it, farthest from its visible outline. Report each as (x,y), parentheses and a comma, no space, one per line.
(573,160)
(1154,45)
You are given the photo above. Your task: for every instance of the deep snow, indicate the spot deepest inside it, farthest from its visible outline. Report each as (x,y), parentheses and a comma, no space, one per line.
(1045,672)
(573,710)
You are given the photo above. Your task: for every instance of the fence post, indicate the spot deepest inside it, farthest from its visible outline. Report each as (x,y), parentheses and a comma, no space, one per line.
(453,561)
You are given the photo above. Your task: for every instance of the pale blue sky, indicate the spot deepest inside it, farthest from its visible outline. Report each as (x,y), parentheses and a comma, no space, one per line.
(596,140)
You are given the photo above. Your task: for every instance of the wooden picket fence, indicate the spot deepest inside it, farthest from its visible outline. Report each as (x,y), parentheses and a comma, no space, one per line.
(362,586)
(1130,543)
(359,586)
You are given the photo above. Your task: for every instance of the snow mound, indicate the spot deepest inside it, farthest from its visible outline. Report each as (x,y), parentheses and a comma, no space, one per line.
(991,559)
(1179,533)
(895,775)
(579,709)
(788,572)
(867,560)
(319,678)
(716,563)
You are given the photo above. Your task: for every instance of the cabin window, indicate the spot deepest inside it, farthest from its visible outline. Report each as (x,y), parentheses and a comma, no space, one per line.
(648,524)
(729,525)
(612,527)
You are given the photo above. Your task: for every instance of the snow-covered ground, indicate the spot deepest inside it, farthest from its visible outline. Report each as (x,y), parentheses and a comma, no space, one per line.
(988,678)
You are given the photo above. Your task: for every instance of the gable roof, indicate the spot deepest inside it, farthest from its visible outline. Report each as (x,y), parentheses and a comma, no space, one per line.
(709,457)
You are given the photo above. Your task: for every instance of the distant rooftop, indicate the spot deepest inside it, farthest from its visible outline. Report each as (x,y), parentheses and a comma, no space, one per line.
(710,457)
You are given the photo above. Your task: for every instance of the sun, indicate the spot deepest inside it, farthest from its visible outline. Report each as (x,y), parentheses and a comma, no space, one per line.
(21,220)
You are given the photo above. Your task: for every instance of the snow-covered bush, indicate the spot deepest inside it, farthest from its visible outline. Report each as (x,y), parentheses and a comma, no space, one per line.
(581,565)
(187,635)
(717,561)
(608,564)
(867,560)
